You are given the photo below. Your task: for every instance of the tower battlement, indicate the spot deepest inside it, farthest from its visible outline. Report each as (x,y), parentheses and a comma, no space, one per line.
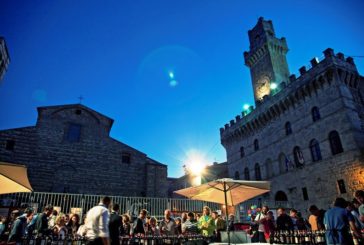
(296,88)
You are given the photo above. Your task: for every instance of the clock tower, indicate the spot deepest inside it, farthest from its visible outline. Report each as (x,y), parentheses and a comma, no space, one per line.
(266,59)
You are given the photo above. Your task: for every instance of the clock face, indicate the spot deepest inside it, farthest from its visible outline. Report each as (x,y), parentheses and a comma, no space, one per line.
(262,87)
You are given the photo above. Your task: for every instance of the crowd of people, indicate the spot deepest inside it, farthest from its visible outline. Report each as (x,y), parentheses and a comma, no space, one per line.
(342,224)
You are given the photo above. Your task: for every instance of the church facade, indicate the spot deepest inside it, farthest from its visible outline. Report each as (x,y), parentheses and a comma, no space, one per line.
(306,134)
(70,150)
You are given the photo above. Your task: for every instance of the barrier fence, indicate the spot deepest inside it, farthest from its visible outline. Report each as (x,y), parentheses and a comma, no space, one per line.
(80,204)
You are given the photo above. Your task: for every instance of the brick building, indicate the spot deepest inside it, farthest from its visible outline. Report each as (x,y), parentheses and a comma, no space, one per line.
(4,58)
(70,150)
(306,134)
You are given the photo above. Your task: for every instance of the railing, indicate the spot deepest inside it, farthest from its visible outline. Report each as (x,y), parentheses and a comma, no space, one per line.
(79,203)
(145,240)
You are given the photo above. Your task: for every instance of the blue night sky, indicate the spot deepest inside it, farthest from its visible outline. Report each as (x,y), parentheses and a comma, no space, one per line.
(118,55)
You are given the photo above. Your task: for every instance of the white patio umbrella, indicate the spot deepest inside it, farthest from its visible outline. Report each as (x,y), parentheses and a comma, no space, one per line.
(226,191)
(13,178)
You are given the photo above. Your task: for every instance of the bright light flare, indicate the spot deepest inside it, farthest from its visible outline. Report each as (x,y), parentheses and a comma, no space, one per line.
(273,86)
(195,162)
(171,75)
(246,107)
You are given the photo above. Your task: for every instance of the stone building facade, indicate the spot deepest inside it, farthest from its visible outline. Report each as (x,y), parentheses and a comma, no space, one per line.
(70,150)
(4,58)
(306,134)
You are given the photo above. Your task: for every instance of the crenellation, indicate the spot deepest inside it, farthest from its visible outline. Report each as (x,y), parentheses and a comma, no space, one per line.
(302,70)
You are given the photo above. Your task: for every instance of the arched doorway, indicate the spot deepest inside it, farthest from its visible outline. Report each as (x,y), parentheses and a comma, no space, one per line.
(280,197)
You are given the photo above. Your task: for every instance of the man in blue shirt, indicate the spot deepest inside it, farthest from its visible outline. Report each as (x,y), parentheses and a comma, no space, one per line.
(338,222)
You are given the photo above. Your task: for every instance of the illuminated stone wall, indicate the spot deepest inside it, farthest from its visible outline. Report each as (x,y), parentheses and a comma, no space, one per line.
(335,87)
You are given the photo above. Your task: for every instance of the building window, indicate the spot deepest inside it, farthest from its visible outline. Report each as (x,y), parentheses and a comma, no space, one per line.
(246,174)
(315,114)
(258,175)
(242,152)
(256,145)
(237,175)
(10,144)
(335,143)
(305,194)
(341,185)
(78,112)
(288,128)
(125,157)
(298,157)
(280,197)
(315,150)
(74,132)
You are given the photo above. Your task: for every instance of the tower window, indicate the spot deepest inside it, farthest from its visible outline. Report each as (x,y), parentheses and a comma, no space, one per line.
(256,145)
(246,174)
(341,185)
(298,157)
(288,128)
(10,144)
(242,152)
(74,132)
(237,175)
(315,150)
(305,194)
(258,175)
(335,143)
(78,112)
(315,114)
(125,157)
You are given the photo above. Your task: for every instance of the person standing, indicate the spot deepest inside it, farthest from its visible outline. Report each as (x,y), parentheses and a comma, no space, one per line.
(168,225)
(97,223)
(206,223)
(18,230)
(359,196)
(219,225)
(259,219)
(316,218)
(41,225)
(190,226)
(115,224)
(284,222)
(338,222)
(138,226)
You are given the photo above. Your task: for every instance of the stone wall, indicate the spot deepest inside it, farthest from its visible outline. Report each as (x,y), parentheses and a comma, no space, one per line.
(91,165)
(330,86)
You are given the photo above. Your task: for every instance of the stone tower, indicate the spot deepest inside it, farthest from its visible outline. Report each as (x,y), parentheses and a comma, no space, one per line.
(266,59)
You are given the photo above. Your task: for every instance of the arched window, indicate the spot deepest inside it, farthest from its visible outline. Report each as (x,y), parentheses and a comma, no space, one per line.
(288,128)
(335,143)
(269,168)
(256,144)
(315,114)
(242,152)
(258,175)
(282,163)
(298,157)
(237,175)
(281,197)
(246,174)
(315,150)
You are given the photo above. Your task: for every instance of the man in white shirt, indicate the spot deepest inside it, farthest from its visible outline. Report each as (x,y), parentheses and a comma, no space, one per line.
(97,223)
(259,220)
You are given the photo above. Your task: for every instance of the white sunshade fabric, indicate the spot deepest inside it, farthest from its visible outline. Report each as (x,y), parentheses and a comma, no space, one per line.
(237,191)
(13,178)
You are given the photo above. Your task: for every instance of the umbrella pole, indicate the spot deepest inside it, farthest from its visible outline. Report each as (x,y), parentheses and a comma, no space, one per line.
(226,212)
